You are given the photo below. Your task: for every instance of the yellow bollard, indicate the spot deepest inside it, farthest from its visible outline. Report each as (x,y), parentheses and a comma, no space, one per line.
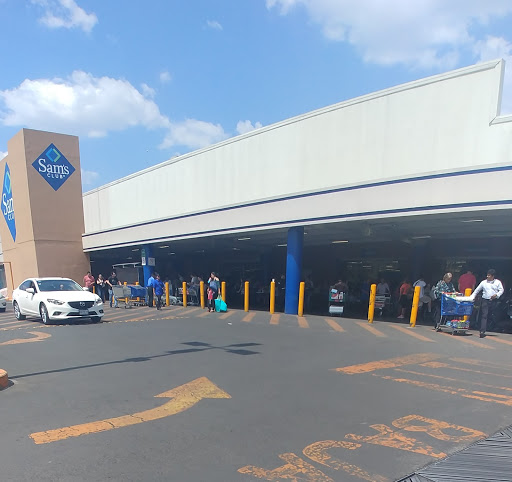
(94,289)
(138,297)
(184,293)
(272,297)
(246,296)
(126,299)
(201,293)
(302,287)
(415,305)
(371,306)
(167,293)
(467,292)
(223,286)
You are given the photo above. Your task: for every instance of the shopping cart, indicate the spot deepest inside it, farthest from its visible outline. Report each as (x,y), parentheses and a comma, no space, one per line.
(336,302)
(123,294)
(453,310)
(382,304)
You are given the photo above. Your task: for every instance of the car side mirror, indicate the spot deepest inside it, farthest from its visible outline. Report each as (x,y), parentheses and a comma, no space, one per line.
(30,290)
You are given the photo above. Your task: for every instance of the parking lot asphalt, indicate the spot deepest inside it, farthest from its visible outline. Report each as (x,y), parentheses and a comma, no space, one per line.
(183,394)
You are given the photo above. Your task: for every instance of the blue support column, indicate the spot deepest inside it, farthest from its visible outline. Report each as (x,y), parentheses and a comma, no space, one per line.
(293,270)
(147,270)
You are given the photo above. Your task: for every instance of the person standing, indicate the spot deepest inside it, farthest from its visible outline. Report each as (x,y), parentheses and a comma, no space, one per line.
(491,289)
(158,287)
(467,280)
(89,281)
(213,287)
(111,282)
(383,288)
(100,287)
(424,298)
(405,297)
(443,286)
(149,289)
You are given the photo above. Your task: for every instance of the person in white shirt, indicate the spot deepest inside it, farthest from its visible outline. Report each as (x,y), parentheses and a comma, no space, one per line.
(383,288)
(424,298)
(491,289)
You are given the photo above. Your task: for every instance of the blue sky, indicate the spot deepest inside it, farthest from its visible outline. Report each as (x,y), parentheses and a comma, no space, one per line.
(141,82)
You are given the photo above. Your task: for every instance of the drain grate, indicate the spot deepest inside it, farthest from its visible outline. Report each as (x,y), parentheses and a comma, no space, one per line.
(489,460)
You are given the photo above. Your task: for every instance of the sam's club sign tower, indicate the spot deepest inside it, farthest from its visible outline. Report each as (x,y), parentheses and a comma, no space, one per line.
(42,209)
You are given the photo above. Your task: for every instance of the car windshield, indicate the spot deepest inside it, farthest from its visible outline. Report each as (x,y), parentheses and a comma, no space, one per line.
(58,285)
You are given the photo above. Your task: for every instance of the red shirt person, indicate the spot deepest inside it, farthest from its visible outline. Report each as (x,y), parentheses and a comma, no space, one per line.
(89,281)
(467,280)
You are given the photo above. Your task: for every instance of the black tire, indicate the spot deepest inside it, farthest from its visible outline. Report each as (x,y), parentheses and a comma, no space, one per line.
(45,317)
(96,319)
(17,312)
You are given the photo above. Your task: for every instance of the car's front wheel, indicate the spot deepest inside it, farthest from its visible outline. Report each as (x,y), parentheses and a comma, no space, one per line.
(43,311)
(17,312)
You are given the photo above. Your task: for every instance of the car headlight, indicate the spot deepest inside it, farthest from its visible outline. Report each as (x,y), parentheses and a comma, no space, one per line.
(55,302)
(98,301)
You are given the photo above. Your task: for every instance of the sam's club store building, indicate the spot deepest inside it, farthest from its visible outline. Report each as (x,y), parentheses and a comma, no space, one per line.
(413,178)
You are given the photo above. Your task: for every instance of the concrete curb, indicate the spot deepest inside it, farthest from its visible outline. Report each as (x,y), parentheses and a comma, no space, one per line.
(4,379)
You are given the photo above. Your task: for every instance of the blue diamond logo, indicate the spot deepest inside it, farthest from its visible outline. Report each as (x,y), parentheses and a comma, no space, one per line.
(8,203)
(53,166)
(7,182)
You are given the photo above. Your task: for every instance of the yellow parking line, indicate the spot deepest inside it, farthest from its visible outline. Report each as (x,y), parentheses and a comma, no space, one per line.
(466,339)
(411,332)
(334,325)
(274,319)
(248,317)
(303,323)
(226,315)
(499,340)
(11,323)
(401,361)
(371,329)
(205,313)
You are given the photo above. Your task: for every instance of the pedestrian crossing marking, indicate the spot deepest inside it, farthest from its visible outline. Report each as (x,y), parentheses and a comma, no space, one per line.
(411,332)
(334,325)
(499,340)
(248,317)
(371,329)
(226,315)
(303,323)
(466,339)
(274,319)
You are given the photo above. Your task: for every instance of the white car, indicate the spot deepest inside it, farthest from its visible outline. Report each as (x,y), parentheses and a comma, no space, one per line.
(3,302)
(55,299)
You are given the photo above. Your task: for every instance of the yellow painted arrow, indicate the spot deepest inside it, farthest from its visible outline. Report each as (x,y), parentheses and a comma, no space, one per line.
(39,337)
(184,397)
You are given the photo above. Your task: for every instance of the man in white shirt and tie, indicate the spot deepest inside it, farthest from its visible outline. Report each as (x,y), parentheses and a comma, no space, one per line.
(491,289)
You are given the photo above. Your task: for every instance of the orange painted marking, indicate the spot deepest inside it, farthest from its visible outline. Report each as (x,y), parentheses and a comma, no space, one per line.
(387,437)
(476,395)
(274,319)
(203,314)
(480,363)
(295,469)
(226,315)
(39,336)
(462,369)
(183,398)
(411,332)
(248,317)
(437,429)
(14,323)
(390,363)
(469,341)
(499,340)
(412,372)
(318,452)
(334,325)
(303,323)
(371,329)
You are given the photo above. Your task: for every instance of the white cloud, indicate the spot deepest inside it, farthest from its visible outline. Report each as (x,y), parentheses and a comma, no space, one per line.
(89,177)
(66,14)
(3,154)
(495,48)
(194,134)
(148,91)
(214,24)
(246,126)
(420,33)
(80,104)
(165,77)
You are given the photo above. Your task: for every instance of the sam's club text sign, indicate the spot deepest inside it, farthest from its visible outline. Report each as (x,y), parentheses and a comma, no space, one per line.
(53,166)
(7,202)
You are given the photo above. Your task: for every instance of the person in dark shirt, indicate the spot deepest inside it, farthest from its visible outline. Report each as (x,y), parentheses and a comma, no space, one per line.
(111,282)
(158,287)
